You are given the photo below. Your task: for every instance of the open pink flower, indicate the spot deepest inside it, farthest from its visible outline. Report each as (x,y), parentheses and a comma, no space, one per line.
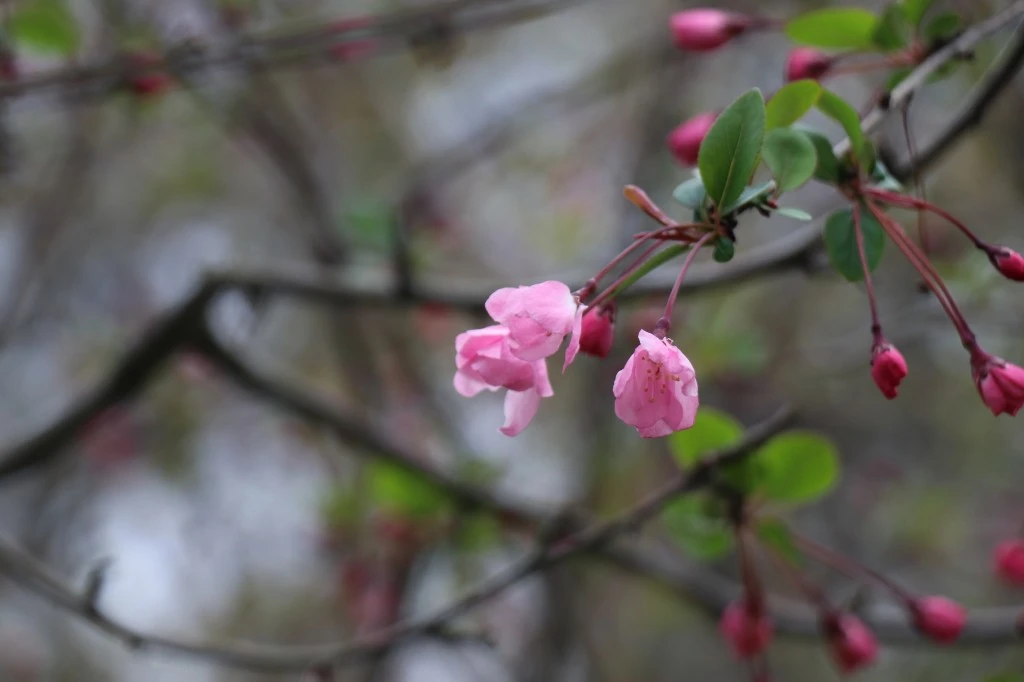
(656,392)
(538,318)
(484,362)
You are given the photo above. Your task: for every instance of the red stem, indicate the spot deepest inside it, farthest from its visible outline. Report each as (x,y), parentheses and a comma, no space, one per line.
(903,201)
(665,323)
(640,260)
(922,230)
(876,326)
(849,567)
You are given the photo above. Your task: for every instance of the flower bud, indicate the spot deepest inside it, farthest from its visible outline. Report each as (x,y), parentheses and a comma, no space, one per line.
(703,30)
(806,62)
(939,618)
(1009,561)
(888,368)
(1008,262)
(684,142)
(598,332)
(748,631)
(1000,384)
(852,644)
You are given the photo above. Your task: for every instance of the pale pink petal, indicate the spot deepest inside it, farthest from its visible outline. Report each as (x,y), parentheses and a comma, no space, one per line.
(540,379)
(551,304)
(469,386)
(530,341)
(574,341)
(656,430)
(503,303)
(520,409)
(622,378)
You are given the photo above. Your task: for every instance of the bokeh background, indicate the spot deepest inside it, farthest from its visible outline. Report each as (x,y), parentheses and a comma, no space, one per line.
(490,156)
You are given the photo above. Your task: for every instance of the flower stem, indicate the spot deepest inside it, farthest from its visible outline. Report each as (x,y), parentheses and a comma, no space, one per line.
(922,228)
(665,323)
(849,567)
(640,260)
(876,326)
(903,201)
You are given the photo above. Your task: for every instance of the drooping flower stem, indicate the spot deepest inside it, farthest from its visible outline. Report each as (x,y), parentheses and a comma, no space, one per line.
(876,325)
(849,567)
(922,228)
(640,260)
(810,592)
(665,323)
(903,201)
(753,594)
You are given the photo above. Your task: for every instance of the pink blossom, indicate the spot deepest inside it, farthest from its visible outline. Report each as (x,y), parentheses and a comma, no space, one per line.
(598,332)
(853,645)
(939,618)
(703,30)
(888,368)
(656,392)
(1008,262)
(1008,560)
(684,142)
(807,63)
(746,630)
(538,318)
(485,362)
(1000,384)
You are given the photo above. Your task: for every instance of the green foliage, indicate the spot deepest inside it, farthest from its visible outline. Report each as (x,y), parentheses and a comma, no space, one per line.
(370,225)
(797,466)
(828,168)
(712,430)
(794,213)
(730,151)
(841,243)
(916,9)
(341,508)
(791,102)
(839,110)
(881,177)
(775,534)
(751,196)
(691,194)
(725,250)
(45,25)
(894,29)
(402,492)
(943,27)
(478,532)
(835,28)
(790,156)
(653,262)
(698,523)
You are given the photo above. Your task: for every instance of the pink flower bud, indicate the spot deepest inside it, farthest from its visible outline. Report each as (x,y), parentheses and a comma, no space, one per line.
(748,631)
(684,142)
(852,644)
(1000,384)
(703,30)
(888,368)
(598,332)
(1009,561)
(656,392)
(938,618)
(1008,262)
(806,62)
(348,51)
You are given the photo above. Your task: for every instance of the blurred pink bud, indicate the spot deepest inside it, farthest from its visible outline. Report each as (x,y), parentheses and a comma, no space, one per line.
(939,618)
(888,368)
(1009,561)
(110,437)
(703,30)
(852,644)
(807,63)
(1008,262)
(538,318)
(748,631)
(684,142)
(598,332)
(656,392)
(354,49)
(1000,384)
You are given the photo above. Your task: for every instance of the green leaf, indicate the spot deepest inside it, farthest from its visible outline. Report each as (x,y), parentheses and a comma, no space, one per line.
(829,169)
(653,262)
(698,524)
(712,430)
(400,491)
(46,25)
(834,28)
(883,179)
(791,103)
(691,193)
(794,213)
(775,534)
(478,532)
(839,110)
(755,194)
(725,250)
(841,243)
(916,9)
(893,30)
(797,466)
(790,156)
(942,28)
(730,151)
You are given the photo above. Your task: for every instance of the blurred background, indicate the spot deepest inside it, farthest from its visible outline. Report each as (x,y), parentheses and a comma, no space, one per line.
(474,155)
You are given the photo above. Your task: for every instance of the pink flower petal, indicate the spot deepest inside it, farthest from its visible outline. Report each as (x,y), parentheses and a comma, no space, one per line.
(520,409)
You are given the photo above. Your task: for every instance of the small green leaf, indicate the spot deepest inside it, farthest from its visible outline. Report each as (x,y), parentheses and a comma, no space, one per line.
(790,156)
(399,491)
(829,169)
(712,430)
(943,27)
(698,524)
(839,110)
(730,151)
(725,250)
(883,179)
(755,194)
(916,9)
(841,243)
(46,25)
(775,534)
(478,532)
(794,213)
(834,28)
(691,194)
(797,466)
(791,103)
(893,30)
(653,262)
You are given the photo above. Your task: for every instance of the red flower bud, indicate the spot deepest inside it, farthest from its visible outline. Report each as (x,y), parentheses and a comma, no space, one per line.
(806,62)
(1000,384)
(851,643)
(748,631)
(348,51)
(703,30)
(684,142)
(1009,561)
(888,368)
(1008,262)
(143,81)
(938,618)
(598,332)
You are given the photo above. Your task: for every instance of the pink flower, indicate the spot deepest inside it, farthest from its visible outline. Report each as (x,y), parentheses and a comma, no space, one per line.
(656,392)
(747,632)
(598,332)
(703,30)
(1009,561)
(1000,384)
(484,362)
(684,142)
(1008,262)
(939,618)
(852,644)
(888,368)
(806,62)
(538,317)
